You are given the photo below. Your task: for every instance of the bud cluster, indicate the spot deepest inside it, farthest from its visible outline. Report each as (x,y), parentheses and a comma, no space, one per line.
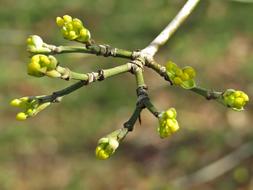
(73,29)
(167,123)
(35,44)
(30,107)
(41,65)
(108,144)
(235,99)
(182,77)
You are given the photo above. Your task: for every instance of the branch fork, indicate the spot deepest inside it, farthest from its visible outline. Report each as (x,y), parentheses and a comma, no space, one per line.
(74,30)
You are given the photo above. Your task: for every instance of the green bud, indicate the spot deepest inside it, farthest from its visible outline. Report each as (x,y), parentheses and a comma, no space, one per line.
(36,45)
(106,147)
(59,21)
(67,18)
(15,102)
(21,116)
(190,71)
(235,99)
(179,72)
(52,63)
(73,29)
(34,69)
(77,23)
(185,77)
(40,65)
(177,81)
(181,77)
(30,106)
(171,113)
(108,144)
(171,67)
(72,35)
(168,123)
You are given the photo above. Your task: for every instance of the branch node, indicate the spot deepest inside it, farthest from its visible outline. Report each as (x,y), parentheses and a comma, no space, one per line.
(128,126)
(137,64)
(66,75)
(91,77)
(142,90)
(101,75)
(136,54)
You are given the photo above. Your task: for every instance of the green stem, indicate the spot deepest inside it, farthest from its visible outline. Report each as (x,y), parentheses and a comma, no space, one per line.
(102,50)
(208,94)
(139,78)
(78,76)
(160,69)
(117,70)
(68,74)
(98,76)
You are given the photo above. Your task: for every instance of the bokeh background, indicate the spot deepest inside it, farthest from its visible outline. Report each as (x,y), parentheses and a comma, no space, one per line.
(55,150)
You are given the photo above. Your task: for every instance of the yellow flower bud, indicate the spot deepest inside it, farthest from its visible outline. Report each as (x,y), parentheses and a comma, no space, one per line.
(36,45)
(21,116)
(237,93)
(239,102)
(179,72)
(59,21)
(24,99)
(171,66)
(235,99)
(15,102)
(30,111)
(245,97)
(177,81)
(52,63)
(41,64)
(101,153)
(106,147)
(72,35)
(185,77)
(67,18)
(69,26)
(181,77)
(44,60)
(30,106)
(77,23)
(190,71)
(167,123)
(73,29)
(84,35)
(171,113)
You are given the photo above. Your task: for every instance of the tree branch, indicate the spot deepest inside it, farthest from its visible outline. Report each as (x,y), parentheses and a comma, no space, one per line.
(87,78)
(171,28)
(208,94)
(101,50)
(161,70)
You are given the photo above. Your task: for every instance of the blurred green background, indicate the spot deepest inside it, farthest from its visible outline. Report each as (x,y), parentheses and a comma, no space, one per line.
(55,150)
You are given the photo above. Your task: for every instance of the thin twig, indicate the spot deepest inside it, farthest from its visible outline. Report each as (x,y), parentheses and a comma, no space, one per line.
(170,29)
(97,49)
(89,78)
